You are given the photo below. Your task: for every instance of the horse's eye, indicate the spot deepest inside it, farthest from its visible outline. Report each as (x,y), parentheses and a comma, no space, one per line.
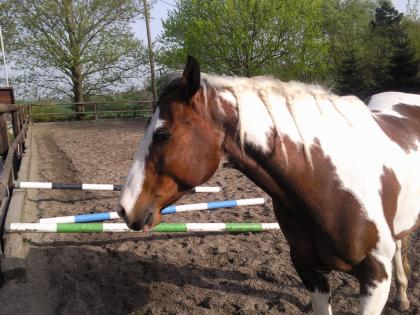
(160,135)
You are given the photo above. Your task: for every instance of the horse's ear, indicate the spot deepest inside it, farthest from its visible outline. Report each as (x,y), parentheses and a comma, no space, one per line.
(191,76)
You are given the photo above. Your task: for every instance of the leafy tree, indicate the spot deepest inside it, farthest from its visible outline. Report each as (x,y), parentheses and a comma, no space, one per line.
(396,57)
(246,37)
(413,9)
(75,47)
(404,66)
(386,18)
(8,27)
(308,59)
(346,24)
(350,75)
(412,26)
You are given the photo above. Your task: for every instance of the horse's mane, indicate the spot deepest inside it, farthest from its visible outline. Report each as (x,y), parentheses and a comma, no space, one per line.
(264,87)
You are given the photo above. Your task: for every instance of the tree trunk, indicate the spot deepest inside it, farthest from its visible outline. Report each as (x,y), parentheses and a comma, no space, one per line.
(78,92)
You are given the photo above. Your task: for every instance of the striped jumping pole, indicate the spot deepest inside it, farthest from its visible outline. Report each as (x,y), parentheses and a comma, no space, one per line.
(45,185)
(213,205)
(122,227)
(103,216)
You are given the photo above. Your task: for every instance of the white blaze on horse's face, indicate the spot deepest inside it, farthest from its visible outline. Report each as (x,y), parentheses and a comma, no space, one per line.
(136,175)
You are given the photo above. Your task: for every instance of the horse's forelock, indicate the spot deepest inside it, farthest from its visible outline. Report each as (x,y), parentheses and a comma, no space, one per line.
(169,81)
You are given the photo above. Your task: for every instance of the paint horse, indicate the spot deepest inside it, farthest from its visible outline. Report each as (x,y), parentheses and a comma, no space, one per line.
(344,181)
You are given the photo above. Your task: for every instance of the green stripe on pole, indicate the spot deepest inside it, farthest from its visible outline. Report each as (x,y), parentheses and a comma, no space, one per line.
(235,227)
(170,227)
(244,227)
(79,227)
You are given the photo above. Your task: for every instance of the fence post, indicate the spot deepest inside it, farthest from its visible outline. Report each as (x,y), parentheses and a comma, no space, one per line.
(16,124)
(20,115)
(80,109)
(25,113)
(94,109)
(4,137)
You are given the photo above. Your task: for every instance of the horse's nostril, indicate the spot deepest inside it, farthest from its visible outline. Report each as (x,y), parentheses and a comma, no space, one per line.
(149,216)
(121,212)
(134,226)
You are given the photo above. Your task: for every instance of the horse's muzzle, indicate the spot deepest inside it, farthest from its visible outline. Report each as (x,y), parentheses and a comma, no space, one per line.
(136,223)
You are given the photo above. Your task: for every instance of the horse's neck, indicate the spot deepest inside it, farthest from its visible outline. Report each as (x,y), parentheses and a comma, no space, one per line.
(276,164)
(249,149)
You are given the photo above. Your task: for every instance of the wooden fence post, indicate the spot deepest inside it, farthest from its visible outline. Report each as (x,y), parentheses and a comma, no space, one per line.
(80,109)
(20,115)
(16,124)
(4,138)
(94,110)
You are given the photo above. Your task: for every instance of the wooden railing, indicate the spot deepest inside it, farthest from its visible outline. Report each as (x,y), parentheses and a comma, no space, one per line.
(89,110)
(14,121)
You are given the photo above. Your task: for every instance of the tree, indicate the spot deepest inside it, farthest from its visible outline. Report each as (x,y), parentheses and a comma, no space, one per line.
(346,25)
(246,37)
(412,26)
(350,75)
(8,29)
(7,24)
(396,57)
(412,9)
(75,47)
(404,66)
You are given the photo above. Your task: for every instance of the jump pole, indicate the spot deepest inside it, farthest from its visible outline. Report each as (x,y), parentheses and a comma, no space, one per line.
(122,227)
(103,216)
(110,187)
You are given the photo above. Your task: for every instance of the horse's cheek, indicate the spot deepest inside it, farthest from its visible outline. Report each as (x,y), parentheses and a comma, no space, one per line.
(193,170)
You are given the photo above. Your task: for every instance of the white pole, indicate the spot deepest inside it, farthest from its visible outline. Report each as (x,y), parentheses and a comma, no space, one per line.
(4,58)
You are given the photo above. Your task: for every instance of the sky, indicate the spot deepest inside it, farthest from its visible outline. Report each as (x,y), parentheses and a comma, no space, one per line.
(160,11)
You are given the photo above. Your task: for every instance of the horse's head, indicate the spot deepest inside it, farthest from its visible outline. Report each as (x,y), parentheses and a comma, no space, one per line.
(181,149)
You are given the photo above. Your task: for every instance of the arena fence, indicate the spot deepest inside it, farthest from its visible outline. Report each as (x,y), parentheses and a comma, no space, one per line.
(14,121)
(89,110)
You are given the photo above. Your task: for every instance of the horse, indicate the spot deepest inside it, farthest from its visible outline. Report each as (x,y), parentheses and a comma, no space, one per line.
(344,180)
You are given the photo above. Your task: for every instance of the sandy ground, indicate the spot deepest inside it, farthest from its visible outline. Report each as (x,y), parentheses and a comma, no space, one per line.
(155,274)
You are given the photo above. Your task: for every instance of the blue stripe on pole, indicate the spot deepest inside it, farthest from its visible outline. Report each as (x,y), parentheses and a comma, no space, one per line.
(210,205)
(169,210)
(83,218)
(222,204)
